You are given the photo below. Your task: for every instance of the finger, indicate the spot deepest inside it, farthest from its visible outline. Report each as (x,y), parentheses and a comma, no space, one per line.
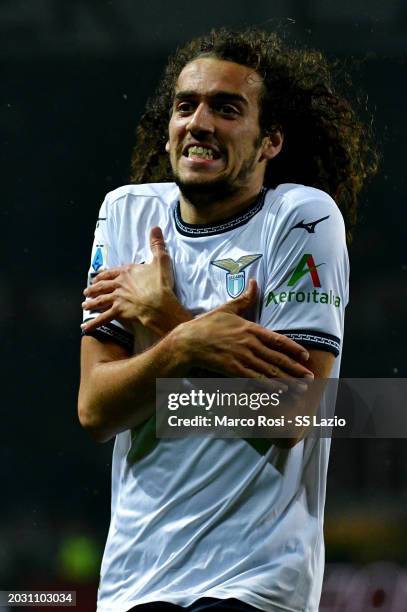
(102,302)
(275,377)
(264,368)
(102,319)
(287,365)
(159,251)
(157,242)
(282,343)
(270,384)
(107,274)
(242,303)
(101,287)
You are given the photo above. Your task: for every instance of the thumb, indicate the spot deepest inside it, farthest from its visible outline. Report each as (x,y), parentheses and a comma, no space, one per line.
(242,303)
(157,242)
(161,257)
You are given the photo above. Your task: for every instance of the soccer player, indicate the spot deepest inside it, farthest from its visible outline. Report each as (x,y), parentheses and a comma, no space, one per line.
(233,213)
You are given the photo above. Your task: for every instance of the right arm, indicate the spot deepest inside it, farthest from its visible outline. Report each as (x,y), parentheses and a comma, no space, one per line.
(117,391)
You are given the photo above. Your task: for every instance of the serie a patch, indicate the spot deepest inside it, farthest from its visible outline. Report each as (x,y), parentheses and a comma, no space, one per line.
(99,257)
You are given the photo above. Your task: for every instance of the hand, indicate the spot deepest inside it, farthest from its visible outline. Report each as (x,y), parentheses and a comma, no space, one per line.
(222,341)
(137,293)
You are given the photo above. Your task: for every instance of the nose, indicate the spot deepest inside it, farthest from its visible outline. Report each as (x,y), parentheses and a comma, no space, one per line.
(201,120)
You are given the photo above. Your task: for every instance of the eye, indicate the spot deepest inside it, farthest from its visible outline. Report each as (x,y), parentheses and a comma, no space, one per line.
(227,110)
(185,107)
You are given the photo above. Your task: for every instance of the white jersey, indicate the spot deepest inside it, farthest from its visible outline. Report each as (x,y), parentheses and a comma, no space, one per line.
(204,517)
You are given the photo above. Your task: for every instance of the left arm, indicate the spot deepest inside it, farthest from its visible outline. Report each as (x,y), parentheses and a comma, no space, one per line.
(307,403)
(306,290)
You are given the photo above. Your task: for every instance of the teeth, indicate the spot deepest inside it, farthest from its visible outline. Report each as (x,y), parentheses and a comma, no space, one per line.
(200,152)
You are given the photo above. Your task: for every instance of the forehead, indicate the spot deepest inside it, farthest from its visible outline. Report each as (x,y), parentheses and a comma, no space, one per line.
(207,75)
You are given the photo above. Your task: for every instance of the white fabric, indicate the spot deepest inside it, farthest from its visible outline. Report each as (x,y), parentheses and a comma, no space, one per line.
(210,517)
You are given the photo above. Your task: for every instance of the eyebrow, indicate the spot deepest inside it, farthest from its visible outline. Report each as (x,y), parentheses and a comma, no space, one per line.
(217,96)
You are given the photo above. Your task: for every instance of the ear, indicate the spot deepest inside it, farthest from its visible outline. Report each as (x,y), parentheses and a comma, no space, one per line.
(167,146)
(272,145)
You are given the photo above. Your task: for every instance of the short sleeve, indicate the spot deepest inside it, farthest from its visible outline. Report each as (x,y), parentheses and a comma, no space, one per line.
(306,284)
(103,257)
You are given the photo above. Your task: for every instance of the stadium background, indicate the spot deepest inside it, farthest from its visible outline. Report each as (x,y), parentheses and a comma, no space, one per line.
(75,79)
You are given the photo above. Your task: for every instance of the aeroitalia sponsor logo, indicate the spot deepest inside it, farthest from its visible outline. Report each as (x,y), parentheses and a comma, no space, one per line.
(305,266)
(315,297)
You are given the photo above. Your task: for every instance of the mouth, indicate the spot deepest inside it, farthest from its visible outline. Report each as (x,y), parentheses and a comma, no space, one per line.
(201,152)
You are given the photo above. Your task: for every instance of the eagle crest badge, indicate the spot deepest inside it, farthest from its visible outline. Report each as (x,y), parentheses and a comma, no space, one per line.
(236,276)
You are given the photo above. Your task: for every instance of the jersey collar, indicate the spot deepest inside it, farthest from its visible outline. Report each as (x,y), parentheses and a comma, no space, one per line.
(210,229)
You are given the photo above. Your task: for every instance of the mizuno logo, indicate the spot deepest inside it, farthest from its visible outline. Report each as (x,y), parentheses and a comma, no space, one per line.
(236,277)
(309,227)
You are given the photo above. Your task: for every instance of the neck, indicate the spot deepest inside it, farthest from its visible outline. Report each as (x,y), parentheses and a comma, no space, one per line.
(200,211)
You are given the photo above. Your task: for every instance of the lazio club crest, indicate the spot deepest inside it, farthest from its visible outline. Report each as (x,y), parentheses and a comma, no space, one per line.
(236,276)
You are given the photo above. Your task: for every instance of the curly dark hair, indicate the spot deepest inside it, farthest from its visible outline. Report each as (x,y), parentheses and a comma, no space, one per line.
(326,145)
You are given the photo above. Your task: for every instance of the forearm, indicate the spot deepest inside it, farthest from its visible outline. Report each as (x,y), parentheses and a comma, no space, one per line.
(117,391)
(300,408)
(117,395)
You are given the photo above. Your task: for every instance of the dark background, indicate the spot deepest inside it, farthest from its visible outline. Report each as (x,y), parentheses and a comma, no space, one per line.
(75,78)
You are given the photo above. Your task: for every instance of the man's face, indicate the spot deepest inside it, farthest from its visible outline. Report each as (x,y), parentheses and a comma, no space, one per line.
(215,144)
